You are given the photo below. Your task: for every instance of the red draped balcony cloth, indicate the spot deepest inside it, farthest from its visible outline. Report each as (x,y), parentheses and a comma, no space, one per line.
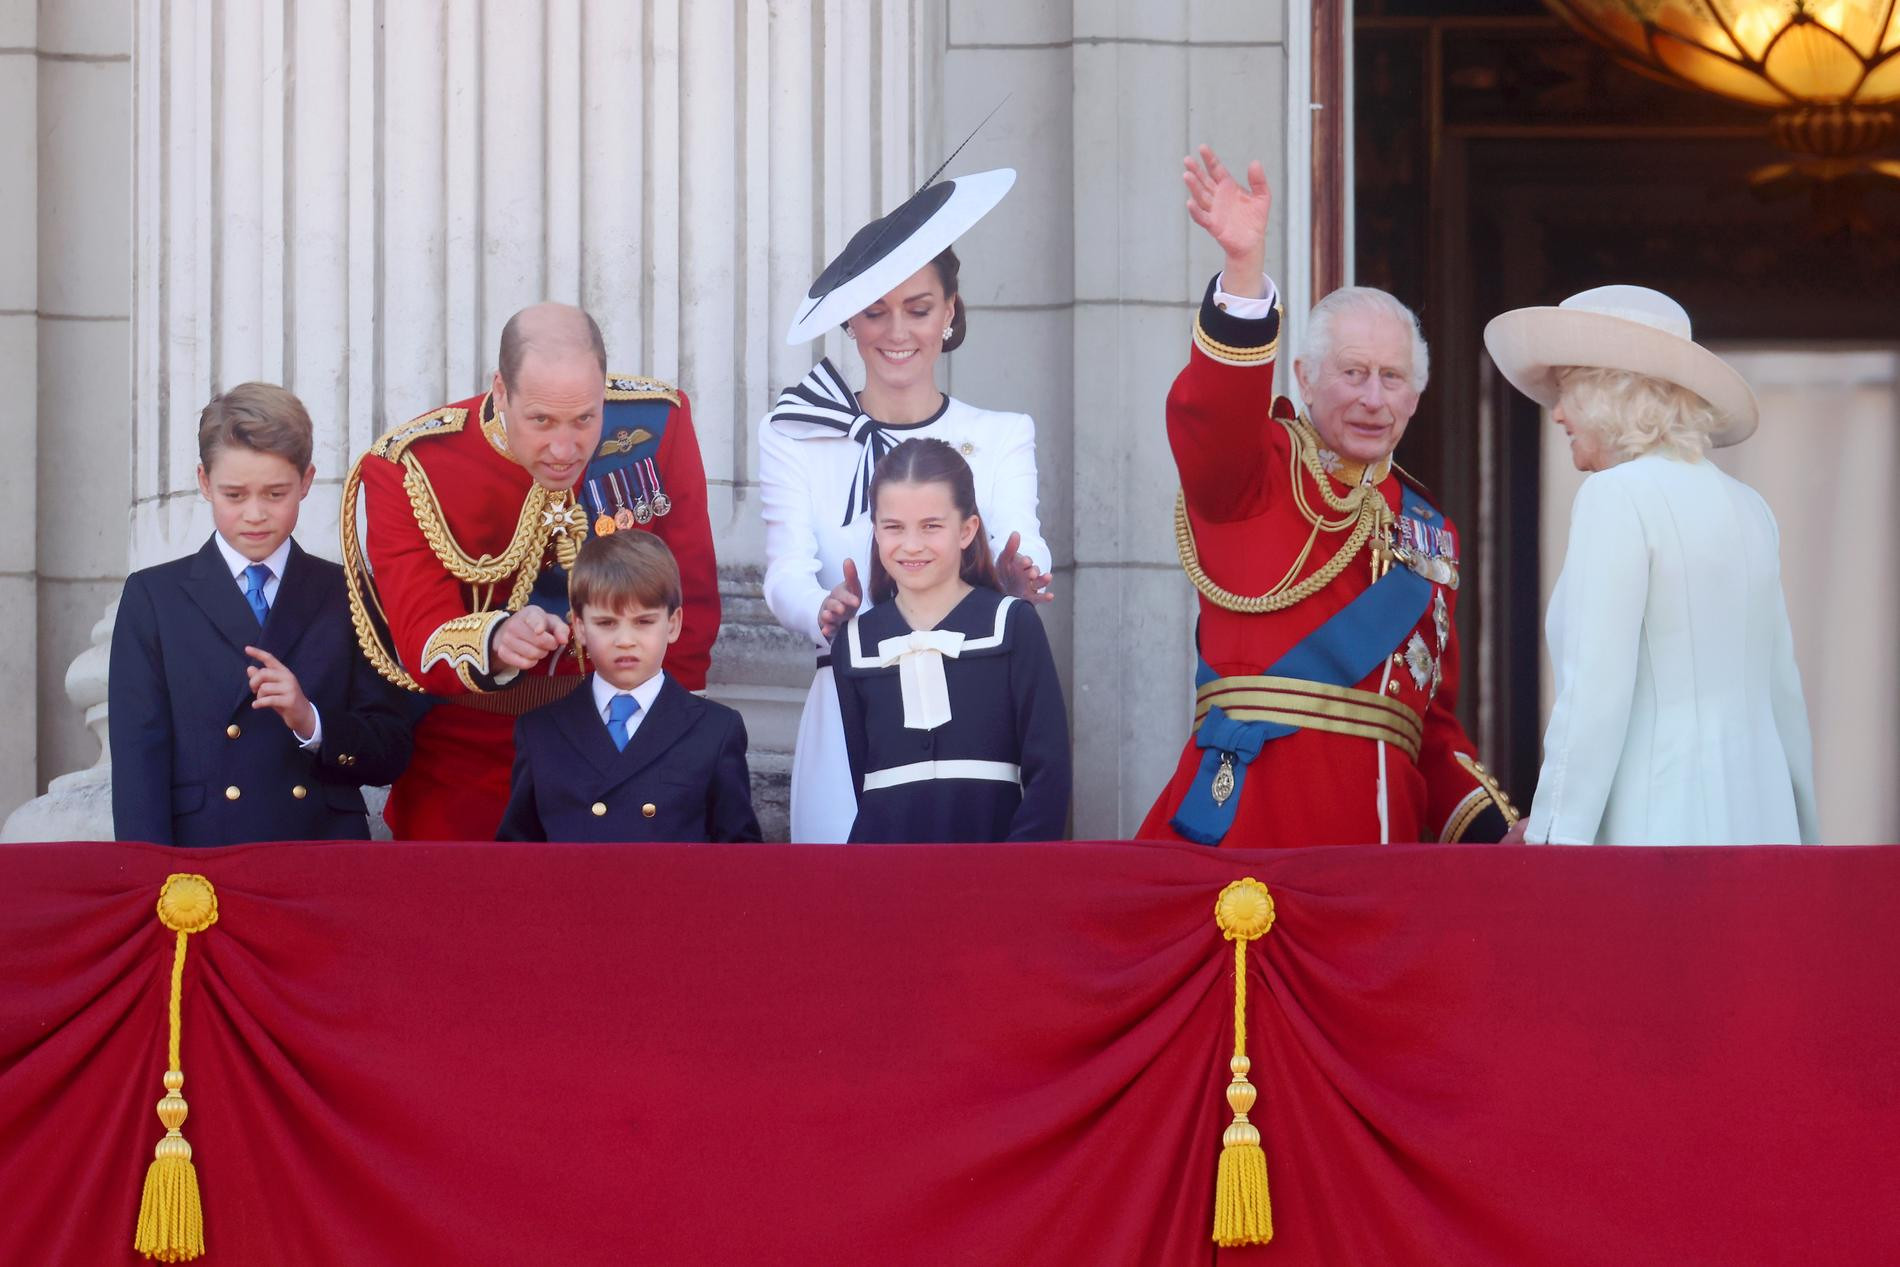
(561,1054)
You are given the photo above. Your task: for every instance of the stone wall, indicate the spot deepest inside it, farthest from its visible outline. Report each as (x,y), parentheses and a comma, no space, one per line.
(351,198)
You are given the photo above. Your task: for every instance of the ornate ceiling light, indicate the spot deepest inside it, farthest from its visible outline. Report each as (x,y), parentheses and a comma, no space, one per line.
(1829,68)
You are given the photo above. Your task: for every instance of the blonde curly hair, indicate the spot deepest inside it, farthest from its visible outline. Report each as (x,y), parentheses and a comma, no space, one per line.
(1636,414)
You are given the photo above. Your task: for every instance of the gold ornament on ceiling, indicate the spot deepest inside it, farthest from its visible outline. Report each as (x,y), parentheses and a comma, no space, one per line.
(1830,69)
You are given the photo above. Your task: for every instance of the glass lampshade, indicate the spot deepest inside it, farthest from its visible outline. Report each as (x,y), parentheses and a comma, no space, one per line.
(1829,67)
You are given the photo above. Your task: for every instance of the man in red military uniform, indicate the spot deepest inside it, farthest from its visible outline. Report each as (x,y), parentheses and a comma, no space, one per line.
(1328,654)
(472,512)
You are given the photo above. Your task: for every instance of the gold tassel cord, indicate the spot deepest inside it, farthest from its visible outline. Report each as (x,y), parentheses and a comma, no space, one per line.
(1243,1215)
(171,1218)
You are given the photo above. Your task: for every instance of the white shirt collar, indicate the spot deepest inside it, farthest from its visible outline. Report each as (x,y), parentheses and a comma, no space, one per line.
(275,561)
(643,694)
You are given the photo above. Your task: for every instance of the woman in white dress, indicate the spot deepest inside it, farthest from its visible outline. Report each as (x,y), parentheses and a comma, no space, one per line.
(1678,717)
(894,290)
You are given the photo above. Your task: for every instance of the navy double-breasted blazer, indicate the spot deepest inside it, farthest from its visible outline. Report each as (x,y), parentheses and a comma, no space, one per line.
(192,762)
(681,777)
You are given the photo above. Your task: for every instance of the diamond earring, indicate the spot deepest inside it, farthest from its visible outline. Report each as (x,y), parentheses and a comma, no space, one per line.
(947,332)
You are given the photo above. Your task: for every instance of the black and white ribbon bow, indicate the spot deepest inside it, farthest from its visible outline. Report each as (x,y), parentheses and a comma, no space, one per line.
(820,406)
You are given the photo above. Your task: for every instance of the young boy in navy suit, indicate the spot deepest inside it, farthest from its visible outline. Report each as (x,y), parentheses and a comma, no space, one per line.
(631,755)
(241,708)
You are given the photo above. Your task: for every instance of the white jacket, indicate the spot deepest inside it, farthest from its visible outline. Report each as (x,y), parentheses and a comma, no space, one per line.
(805,485)
(1678,718)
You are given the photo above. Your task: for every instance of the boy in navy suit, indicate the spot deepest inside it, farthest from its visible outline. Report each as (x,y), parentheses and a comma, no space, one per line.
(241,709)
(631,755)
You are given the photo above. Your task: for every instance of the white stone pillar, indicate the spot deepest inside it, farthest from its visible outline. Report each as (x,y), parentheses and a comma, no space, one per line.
(78,438)
(1082,289)
(351,199)
(19,367)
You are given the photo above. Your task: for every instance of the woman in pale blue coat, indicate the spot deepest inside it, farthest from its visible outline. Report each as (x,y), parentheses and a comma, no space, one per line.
(1678,717)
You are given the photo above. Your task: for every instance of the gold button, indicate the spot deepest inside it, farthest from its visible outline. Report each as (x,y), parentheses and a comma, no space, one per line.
(232,730)
(968,448)
(231,793)
(299,791)
(1392,687)
(600,809)
(649,809)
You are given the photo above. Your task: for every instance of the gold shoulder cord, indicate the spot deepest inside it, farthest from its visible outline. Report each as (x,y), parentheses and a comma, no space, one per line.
(1363,509)
(356,579)
(521,561)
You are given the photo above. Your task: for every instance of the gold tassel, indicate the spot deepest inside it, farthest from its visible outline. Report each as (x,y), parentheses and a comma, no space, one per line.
(1242,1213)
(171,1220)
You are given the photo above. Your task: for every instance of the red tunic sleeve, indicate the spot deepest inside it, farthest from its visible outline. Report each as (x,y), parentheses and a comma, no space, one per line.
(1220,415)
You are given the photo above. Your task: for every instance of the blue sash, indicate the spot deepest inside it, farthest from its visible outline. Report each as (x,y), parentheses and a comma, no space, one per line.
(1341,652)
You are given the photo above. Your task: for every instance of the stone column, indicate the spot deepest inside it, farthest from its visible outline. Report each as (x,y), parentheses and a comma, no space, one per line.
(65,76)
(19,368)
(1083,288)
(351,198)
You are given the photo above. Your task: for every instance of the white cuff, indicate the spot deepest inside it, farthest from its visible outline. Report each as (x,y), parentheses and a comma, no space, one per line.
(316,731)
(1243,308)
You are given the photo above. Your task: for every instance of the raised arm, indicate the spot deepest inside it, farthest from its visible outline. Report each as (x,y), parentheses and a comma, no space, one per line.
(1222,402)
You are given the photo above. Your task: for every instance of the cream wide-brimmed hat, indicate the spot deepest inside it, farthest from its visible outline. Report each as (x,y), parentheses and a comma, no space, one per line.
(1629,328)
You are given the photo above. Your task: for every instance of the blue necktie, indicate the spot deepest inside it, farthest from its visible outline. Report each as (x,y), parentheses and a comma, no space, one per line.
(620,710)
(254,578)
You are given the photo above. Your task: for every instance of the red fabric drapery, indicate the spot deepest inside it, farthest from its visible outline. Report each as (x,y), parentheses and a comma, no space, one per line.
(481,1054)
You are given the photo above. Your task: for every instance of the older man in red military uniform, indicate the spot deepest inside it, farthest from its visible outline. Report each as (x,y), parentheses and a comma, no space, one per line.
(1328,654)
(472,514)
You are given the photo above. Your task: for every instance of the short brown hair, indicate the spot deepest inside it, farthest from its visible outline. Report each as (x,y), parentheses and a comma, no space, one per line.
(516,339)
(260,416)
(625,569)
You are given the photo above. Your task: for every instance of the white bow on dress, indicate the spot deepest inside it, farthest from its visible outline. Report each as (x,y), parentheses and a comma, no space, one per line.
(919,658)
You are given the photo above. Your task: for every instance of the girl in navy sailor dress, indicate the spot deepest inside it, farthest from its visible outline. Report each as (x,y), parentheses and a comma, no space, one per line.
(954,722)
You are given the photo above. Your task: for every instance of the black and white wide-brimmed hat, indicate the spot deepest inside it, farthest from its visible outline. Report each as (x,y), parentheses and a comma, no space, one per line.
(1621,328)
(893,246)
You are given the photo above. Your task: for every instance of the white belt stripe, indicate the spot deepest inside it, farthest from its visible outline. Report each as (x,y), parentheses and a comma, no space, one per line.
(923,771)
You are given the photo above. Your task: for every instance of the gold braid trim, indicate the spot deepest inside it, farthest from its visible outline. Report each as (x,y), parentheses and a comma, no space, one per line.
(640,387)
(437,422)
(1229,354)
(1488,792)
(541,518)
(361,592)
(525,548)
(462,644)
(1363,508)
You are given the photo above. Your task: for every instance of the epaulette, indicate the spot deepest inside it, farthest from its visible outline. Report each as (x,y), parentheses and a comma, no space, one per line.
(640,387)
(1413,480)
(439,422)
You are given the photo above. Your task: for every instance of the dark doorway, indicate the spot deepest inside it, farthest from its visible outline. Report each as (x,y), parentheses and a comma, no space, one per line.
(1502,160)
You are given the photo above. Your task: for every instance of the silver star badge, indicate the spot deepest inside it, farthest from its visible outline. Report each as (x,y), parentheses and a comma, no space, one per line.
(1418,658)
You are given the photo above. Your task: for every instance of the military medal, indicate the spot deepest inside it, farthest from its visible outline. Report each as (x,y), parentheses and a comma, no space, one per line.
(642,506)
(662,504)
(604,524)
(1224,779)
(623,514)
